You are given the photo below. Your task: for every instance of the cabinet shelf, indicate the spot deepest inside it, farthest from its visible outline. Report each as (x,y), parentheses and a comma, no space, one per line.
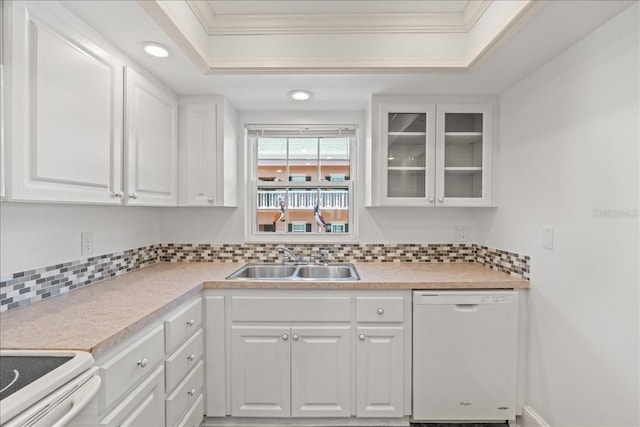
(407,133)
(406,168)
(462,137)
(463,170)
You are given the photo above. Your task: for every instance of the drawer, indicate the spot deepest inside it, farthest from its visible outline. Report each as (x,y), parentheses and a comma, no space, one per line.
(183,360)
(291,309)
(179,326)
(143,406)
(185,395)
(380,309)
(194,415)
(128,367)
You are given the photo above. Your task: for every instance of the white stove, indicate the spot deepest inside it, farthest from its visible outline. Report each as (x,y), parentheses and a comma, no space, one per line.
(46,388)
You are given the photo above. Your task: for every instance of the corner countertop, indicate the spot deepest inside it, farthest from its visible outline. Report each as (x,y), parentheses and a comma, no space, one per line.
(99,316)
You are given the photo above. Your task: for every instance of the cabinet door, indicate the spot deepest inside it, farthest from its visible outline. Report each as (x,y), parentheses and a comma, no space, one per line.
(379,382)
(151,143)
(66,109)
(260,371)
(407,134)
(321,371)
(198,148)
(464,155)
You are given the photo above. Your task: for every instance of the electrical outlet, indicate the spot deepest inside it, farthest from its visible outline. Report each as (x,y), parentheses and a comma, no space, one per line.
(461,233)
(86,247)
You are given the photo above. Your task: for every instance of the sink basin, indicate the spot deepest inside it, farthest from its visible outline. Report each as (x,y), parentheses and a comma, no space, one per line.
(264,272)
(327,272)
(303,272)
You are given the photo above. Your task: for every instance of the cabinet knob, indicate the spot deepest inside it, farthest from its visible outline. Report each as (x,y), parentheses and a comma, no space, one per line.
(285,337)
(191,392)
(190,322)
(142,363)
(117,194)
(210,199)
(440,199)
(381,310)
(362,337)
(133,196)
(431,199)
(191,357)
(295,337)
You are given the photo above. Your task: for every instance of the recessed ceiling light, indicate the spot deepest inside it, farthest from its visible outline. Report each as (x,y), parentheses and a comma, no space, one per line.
(300,95)
(156,49)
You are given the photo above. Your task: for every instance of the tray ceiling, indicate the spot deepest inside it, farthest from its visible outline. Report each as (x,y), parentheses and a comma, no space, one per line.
(315,41)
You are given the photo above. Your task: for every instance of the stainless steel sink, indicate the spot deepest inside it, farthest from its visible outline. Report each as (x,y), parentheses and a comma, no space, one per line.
(327,272)
(264,272)
(303,272)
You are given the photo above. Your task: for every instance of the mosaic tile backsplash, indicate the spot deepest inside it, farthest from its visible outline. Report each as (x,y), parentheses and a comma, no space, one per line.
(30,286)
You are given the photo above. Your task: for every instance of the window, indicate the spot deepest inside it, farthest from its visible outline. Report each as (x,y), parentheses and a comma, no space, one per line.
(301,183)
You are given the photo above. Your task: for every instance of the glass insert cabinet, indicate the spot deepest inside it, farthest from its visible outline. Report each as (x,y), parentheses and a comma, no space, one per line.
(433,154)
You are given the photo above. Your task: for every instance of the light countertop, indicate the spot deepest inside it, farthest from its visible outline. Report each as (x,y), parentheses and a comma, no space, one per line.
(101,315)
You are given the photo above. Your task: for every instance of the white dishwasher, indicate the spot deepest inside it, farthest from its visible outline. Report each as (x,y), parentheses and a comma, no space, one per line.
(464,355)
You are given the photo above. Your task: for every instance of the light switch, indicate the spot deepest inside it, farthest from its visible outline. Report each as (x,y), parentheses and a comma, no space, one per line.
(547,238)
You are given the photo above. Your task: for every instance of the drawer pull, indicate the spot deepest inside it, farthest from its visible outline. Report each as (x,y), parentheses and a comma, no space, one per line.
(191,357)
(296,337)
(381,310)
(362,337)
(285,337)
(142,363)
(192,392)
(190,322)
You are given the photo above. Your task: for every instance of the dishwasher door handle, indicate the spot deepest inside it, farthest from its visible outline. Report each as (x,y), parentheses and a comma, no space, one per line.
(466,307)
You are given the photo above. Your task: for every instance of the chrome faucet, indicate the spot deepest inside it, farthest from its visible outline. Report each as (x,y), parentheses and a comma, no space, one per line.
(296,258)
(324,257)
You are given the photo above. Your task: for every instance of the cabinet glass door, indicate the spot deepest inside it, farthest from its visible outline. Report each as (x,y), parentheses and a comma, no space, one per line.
(463,143)
(406,154)
(463,150)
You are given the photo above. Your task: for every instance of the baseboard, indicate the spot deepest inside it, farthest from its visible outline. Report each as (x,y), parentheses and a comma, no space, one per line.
(304,422)
(530,418)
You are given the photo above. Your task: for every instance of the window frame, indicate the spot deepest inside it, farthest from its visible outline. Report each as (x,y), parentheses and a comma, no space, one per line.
(252,235)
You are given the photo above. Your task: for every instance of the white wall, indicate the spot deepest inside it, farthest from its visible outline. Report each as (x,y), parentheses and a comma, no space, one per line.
(569,137)
(39,235)
(376,225)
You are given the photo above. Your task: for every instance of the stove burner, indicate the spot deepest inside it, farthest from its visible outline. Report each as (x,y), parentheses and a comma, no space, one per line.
(16,375)
(17,372)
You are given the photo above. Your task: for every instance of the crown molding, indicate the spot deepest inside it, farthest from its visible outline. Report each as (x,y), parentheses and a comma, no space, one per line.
(390,23)
(506,30)
(334,65)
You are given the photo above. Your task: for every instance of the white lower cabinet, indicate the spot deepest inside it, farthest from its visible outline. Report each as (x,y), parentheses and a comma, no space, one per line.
(147,383)
(308,354)
(299,371)
(379,375)
(321,371)
(260,371)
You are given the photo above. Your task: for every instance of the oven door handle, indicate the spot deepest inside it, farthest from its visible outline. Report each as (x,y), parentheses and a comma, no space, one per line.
(60,413)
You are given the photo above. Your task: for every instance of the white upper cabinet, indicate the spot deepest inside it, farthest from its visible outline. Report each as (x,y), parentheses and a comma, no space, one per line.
(151,143)
(430,154)
(64,129)
(207,152)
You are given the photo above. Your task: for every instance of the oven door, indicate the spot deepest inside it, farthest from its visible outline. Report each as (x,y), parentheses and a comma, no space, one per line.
(73,404)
